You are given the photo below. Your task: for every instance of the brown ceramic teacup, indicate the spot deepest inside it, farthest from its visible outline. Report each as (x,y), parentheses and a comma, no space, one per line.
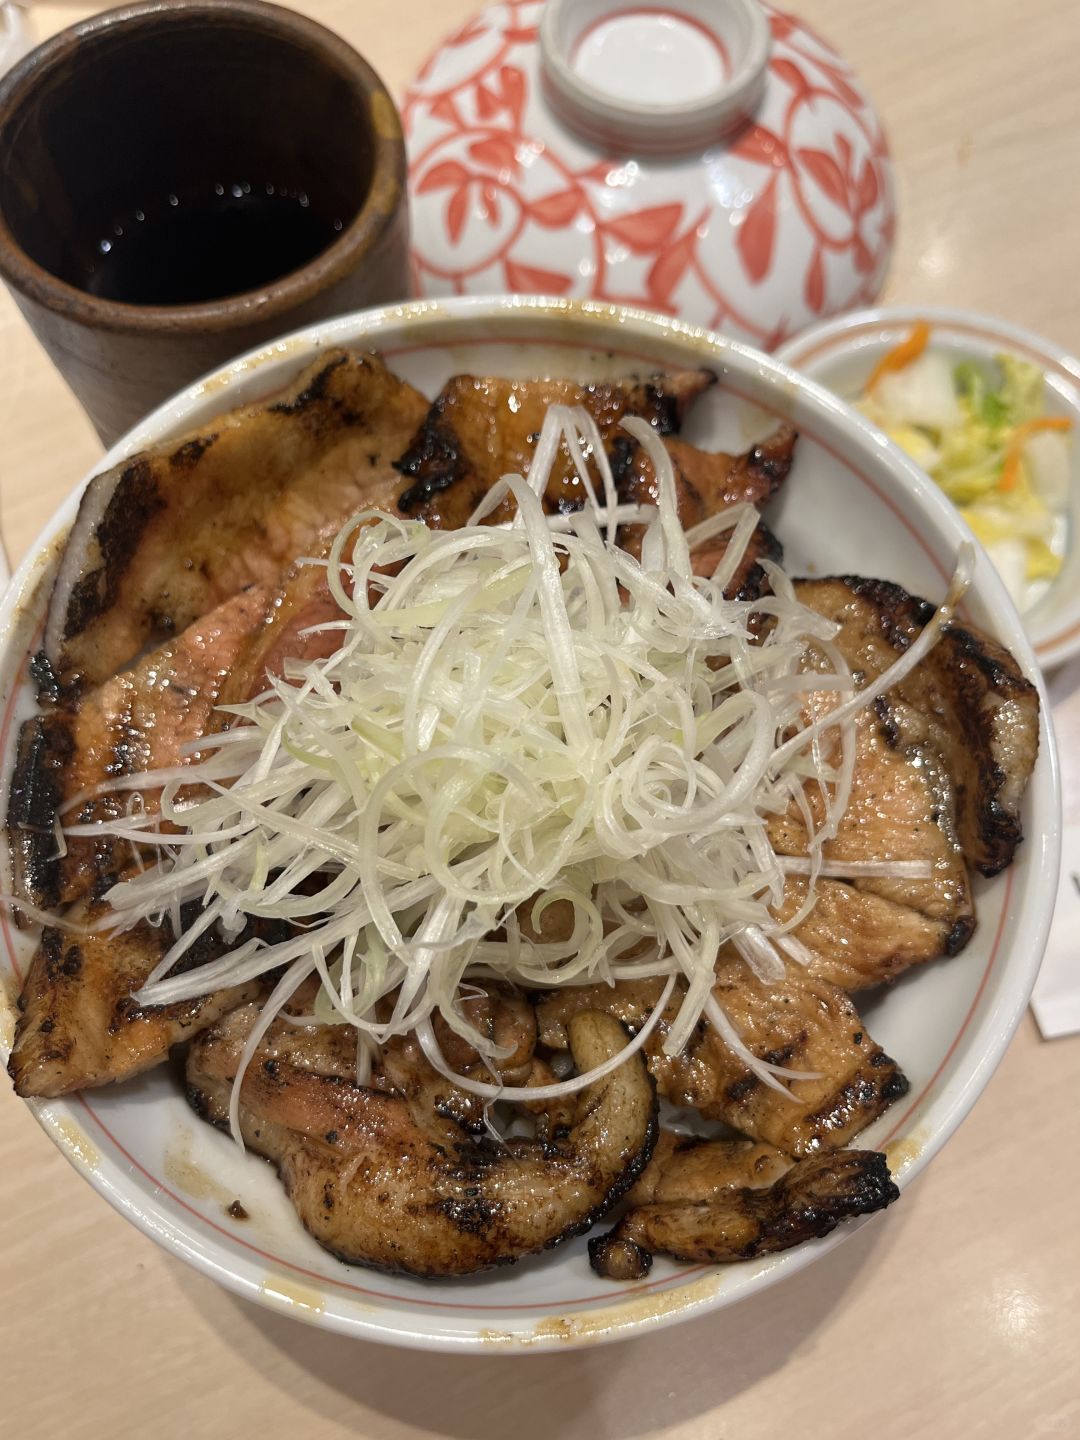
(183,179)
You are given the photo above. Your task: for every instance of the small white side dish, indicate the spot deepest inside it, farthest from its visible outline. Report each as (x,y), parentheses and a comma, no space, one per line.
(841,353)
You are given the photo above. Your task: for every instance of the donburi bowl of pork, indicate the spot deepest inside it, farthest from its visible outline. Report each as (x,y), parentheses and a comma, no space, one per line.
(524,822)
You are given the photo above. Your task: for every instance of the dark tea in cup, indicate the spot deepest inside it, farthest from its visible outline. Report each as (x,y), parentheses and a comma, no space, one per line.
(181,180)
(207,240)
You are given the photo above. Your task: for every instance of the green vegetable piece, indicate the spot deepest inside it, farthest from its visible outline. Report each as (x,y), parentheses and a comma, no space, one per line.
(984,404)
(994,411)
(1022,390)
(970,383)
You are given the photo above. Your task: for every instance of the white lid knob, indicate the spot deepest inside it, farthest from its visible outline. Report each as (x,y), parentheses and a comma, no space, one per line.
(654,79)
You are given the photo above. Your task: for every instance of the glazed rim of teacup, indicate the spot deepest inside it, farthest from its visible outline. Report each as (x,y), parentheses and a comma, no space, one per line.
(738,29)
(384,193)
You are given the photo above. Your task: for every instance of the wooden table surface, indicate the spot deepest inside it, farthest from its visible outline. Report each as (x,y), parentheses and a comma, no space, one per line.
(957,1313)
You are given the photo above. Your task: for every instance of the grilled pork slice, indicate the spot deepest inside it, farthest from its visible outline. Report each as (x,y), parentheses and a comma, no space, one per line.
(705,482)
(165,536)
(903,806)
(78,1025)
(967,702)
(481,427)
(748,581)
(372,1184)
(800,1022)
(687,1167)
(137,721)
(738,1223)
(299,626)
(856,940)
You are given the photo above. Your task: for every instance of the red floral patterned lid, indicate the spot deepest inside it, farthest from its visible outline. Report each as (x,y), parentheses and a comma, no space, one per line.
(785,219)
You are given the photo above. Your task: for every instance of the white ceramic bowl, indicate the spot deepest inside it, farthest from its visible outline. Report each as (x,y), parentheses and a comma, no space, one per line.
(840,355)
(853,503)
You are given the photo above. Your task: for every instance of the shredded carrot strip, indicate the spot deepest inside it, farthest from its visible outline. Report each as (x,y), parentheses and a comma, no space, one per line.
(1010,470)
(901,355)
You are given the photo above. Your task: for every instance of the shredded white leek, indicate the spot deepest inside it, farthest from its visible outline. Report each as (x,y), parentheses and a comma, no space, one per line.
(516,714)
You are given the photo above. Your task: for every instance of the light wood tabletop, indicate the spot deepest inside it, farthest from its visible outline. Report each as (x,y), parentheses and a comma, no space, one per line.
(953,1315)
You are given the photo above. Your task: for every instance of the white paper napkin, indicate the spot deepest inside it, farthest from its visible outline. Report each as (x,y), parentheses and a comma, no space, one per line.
(1056,999)
(14,36)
